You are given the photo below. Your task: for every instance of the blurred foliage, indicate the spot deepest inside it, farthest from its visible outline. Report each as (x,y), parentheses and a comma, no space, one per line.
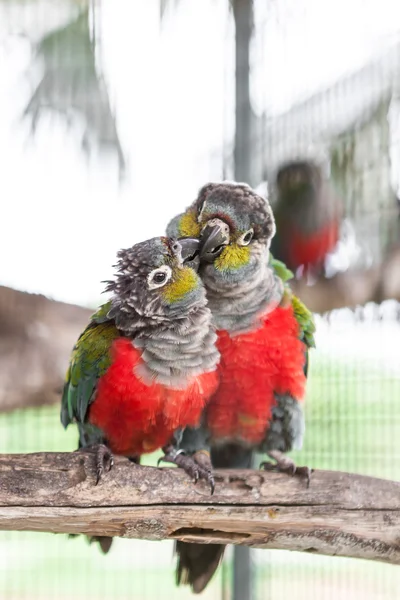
(72,86)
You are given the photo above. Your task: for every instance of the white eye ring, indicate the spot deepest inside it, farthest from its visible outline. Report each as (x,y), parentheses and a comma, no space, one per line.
(159,277)
(246,237)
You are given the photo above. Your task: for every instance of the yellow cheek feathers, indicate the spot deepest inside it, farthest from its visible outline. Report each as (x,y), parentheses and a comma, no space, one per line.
(184,281)
(188,225)
(232,257)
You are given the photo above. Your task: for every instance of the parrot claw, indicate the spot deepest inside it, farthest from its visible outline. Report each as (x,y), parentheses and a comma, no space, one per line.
(104,461)
(284,464)
(304,472)
(202,459)
(180,459)
(212,483)
(194,466)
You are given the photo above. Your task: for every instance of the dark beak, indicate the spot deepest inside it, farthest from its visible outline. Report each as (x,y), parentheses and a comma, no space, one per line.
(190,252)
(213,240)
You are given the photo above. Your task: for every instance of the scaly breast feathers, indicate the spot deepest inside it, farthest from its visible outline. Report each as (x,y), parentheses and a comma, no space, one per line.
(137,418)
(254,367)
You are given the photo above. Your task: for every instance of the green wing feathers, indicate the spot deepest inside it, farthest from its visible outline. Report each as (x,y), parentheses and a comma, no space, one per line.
(305,320)
(280,269)
(89,361)
(303,315)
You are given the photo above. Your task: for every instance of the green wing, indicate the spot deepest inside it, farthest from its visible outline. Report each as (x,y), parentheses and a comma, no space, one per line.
(305,320)
(280,269)
(89,361)
(303,315)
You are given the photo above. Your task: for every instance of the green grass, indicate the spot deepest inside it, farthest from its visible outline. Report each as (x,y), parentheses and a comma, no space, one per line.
(353,423)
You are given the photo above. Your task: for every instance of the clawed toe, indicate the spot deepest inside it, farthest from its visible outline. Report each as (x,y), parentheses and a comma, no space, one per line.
(284,464)
(104,461)
(268,466)
(181,460)
(192,465)
(304,472)
(211,482)
(203,460)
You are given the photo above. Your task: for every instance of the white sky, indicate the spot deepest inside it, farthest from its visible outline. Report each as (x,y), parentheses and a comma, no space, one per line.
(62,219)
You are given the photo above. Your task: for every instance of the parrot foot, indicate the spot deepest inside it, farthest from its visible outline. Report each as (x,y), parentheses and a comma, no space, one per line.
(203,461)
(104,461)
(284,464)
(197,466)
(104,458)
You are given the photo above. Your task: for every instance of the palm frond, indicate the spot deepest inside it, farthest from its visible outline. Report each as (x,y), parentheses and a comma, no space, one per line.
(73,87)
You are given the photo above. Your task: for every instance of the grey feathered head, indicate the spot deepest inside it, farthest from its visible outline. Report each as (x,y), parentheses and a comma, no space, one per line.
(239,206)
(235,226)
(153,283)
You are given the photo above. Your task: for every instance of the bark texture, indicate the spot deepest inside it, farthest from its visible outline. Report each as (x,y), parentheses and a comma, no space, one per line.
(340,514)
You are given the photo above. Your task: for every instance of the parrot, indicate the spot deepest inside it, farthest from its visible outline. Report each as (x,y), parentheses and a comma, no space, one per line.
(307,217)
(145,366)
(264,335)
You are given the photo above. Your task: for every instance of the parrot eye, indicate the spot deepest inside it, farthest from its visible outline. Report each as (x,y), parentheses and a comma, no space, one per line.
(246,238)
(159,277)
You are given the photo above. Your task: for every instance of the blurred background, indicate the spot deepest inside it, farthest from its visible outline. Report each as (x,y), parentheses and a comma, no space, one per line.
(112,114)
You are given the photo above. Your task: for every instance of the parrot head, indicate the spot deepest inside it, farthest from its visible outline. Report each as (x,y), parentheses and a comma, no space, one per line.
(235,227)
(297,181)
(155,282)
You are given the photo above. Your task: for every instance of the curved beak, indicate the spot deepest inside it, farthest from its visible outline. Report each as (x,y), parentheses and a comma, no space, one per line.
(190,252)
(212,241)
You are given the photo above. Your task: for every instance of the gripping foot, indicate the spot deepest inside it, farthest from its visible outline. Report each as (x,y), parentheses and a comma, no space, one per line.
(104,461)
(197,466)
(284,464)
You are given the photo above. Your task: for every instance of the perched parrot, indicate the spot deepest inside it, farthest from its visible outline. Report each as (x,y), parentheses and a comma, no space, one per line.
(264,333)
(145,366)
(307,216)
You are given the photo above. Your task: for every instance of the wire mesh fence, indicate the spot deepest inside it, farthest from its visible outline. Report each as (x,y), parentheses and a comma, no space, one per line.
(111,120)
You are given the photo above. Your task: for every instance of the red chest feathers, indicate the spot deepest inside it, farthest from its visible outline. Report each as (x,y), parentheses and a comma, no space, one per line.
(136,417)
(254,366)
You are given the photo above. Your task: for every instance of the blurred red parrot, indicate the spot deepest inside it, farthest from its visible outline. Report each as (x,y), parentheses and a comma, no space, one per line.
(307,216)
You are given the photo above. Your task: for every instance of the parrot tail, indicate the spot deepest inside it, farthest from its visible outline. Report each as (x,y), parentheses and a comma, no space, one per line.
(104,542)
(197,563)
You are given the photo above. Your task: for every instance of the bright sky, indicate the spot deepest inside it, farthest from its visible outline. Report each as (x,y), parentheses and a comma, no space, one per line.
(63,220)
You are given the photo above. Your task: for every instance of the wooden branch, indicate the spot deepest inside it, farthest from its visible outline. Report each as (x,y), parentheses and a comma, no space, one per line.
(36,339)
(340,514)
(353,288)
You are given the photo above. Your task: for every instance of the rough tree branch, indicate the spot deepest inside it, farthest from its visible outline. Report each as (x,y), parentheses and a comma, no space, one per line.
(340,514)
